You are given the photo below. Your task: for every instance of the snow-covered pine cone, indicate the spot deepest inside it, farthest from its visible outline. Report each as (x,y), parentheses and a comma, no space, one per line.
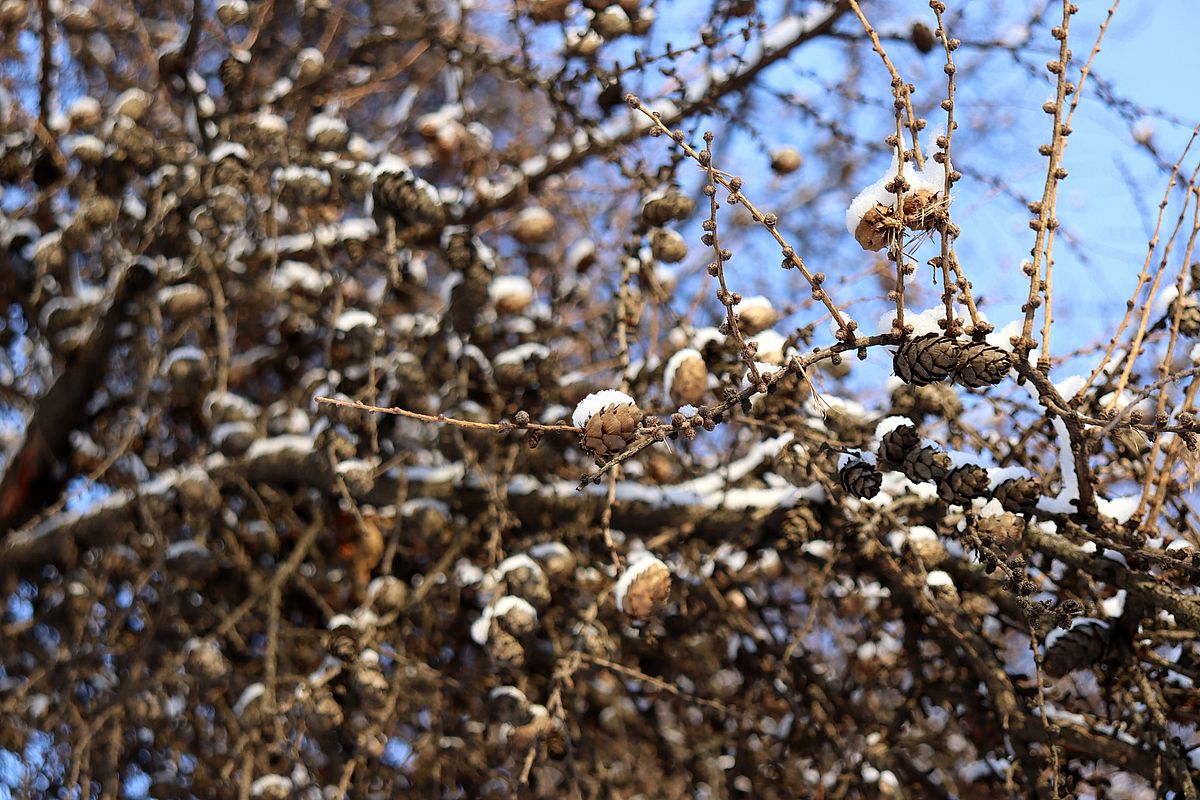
(896,444)
(411,200)
(610,421)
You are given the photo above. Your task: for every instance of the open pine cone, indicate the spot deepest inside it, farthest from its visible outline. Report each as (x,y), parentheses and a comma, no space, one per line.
(876,228)
(896,444)
(644,587)
(980,364)
(926,464)
(963,484)
(1018,495)
(609,420)
(926,359)
(612,429)
(861,479)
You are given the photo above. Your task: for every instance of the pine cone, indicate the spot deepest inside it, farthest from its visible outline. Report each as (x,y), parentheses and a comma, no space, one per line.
(689,383)
(663,208)
(896,444)
(924,210)
(1018,495)
(611,429)
(926,359)
(935,399)
(861,479)
(922,37)
(926,545)
(800,524)
(963,484)
(1189,317)
(643,587)
(1079,648)
(980,364)
(926,464)
(876,228)
(409,199)
(1001,528)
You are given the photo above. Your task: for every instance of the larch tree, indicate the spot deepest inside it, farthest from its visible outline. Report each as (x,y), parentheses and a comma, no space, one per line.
(544,398)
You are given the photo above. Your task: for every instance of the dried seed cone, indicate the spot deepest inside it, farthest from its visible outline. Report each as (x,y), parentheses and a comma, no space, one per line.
(1079,648)
(206,662)
(876,228)
(689,386)
(504,648)
(926,359)
(410,200)
(668,246)
(786,160)
(800,524)
(342,643)
(980,364)
(669,206)
(1001,528)
(648,589)
(928,548)
(530,584)
(370,684)
(926,464)
(963,484)
(533,225)
(756,319)
(324,713)
(861,479)
(896,444)
(922,37)
(1189,317)
(1019,495)
(923,210)
(935,400)
(611,429)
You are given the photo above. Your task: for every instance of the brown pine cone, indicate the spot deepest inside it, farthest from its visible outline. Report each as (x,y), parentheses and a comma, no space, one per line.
(980,364)
(924,210)
(800,524)
(611,429)
(896,444)
(671,205)
(1079,648)
(926,359)
(644,587)
(861,479)
(922,37)
(1018,495)
(926,464)
(877,228)
(1001,528)
(409,199)
(689,382)
(935,400)
(963,484)
(1189,317)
